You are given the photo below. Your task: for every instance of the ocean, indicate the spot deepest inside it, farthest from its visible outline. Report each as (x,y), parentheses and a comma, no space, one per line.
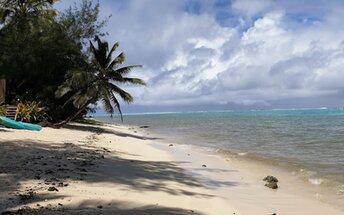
(309,142)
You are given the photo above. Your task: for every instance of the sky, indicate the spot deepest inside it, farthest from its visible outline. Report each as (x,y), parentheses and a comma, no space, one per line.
(200,55)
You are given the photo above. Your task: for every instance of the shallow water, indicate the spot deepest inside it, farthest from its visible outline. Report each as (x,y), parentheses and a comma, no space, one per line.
(310,142)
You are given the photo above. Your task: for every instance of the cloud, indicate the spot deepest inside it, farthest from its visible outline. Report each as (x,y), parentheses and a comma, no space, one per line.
(250,8)
(277,53)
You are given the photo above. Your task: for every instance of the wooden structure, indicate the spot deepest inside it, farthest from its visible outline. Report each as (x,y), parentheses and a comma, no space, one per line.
(2,90)
(11,112)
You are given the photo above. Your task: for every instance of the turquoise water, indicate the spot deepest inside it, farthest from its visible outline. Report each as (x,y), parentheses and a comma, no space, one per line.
(301,139)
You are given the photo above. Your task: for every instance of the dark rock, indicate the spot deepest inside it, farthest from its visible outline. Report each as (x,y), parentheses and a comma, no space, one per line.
(170,145)
(53,189)
(50,181)
(272,185)
(82,169)
(49,171)
(27,196)
(144,126)
(270,178)
(204,165)
(100,206)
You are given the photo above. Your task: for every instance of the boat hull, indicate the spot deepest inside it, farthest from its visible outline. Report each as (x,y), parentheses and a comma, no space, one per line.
(19,125)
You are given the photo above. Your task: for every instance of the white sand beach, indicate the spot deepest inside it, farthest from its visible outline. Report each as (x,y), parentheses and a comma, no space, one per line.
(87,169)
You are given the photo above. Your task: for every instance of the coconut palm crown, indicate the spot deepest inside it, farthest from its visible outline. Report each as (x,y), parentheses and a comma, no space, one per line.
(25,8)
(98,80)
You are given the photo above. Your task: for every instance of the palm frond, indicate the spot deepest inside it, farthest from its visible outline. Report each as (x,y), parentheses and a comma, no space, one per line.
(109,56)
(115,101)
(101,52)
(117,61)
(123,94)
(123,70)
(106,100)
(136,81)
(96,53)
(62,90)
(80,100)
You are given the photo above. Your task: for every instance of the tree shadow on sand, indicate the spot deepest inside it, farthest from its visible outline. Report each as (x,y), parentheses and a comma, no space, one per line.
(57,165)
(114,207)
(108,131)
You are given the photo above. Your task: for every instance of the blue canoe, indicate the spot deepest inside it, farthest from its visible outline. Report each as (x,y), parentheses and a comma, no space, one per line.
(19,125)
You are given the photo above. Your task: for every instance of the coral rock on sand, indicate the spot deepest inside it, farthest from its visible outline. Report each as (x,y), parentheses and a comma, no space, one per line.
(272,182)
(270,178)
(53,189)
(272,185)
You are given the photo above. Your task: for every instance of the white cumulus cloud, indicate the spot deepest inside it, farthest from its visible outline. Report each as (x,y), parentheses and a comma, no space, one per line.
(284,51)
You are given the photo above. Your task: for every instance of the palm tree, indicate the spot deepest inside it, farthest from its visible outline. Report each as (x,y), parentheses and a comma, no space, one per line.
(25,9)
(97,81)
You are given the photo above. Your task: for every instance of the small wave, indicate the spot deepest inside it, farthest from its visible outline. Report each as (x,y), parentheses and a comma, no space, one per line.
(341,190)
(242,153)
(316,181)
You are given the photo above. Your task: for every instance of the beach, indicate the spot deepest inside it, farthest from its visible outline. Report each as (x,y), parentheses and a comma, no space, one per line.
(111,169)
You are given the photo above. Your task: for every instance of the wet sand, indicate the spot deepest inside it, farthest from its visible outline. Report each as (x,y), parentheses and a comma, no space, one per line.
(85,169)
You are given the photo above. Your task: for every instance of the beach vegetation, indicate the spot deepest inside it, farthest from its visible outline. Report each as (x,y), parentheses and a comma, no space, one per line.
(88,121)
(42,49)
(98,80)
(31,112)
(2,108)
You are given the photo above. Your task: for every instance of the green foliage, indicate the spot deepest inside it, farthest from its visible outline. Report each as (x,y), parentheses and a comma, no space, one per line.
(31,112)
(81,22)
(2,108)
(88,121)
(97,80)
(14,12)
(38,47)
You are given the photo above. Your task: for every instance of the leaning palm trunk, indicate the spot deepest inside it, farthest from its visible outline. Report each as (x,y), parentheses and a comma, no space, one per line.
(72,117)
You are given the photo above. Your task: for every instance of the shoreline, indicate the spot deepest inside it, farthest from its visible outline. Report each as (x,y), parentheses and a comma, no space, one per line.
(115,169)
(295,192)
(306,182)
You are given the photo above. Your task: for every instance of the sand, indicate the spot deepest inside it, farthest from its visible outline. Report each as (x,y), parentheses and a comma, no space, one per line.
(86,169)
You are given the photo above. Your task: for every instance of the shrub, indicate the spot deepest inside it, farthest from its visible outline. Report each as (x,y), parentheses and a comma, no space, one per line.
(2,108)
(31,112)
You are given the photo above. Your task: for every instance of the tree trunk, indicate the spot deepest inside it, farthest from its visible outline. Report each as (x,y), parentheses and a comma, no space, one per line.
(64,122)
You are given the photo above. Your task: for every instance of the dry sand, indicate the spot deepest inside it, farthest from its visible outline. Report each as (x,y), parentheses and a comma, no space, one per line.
(119,170)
